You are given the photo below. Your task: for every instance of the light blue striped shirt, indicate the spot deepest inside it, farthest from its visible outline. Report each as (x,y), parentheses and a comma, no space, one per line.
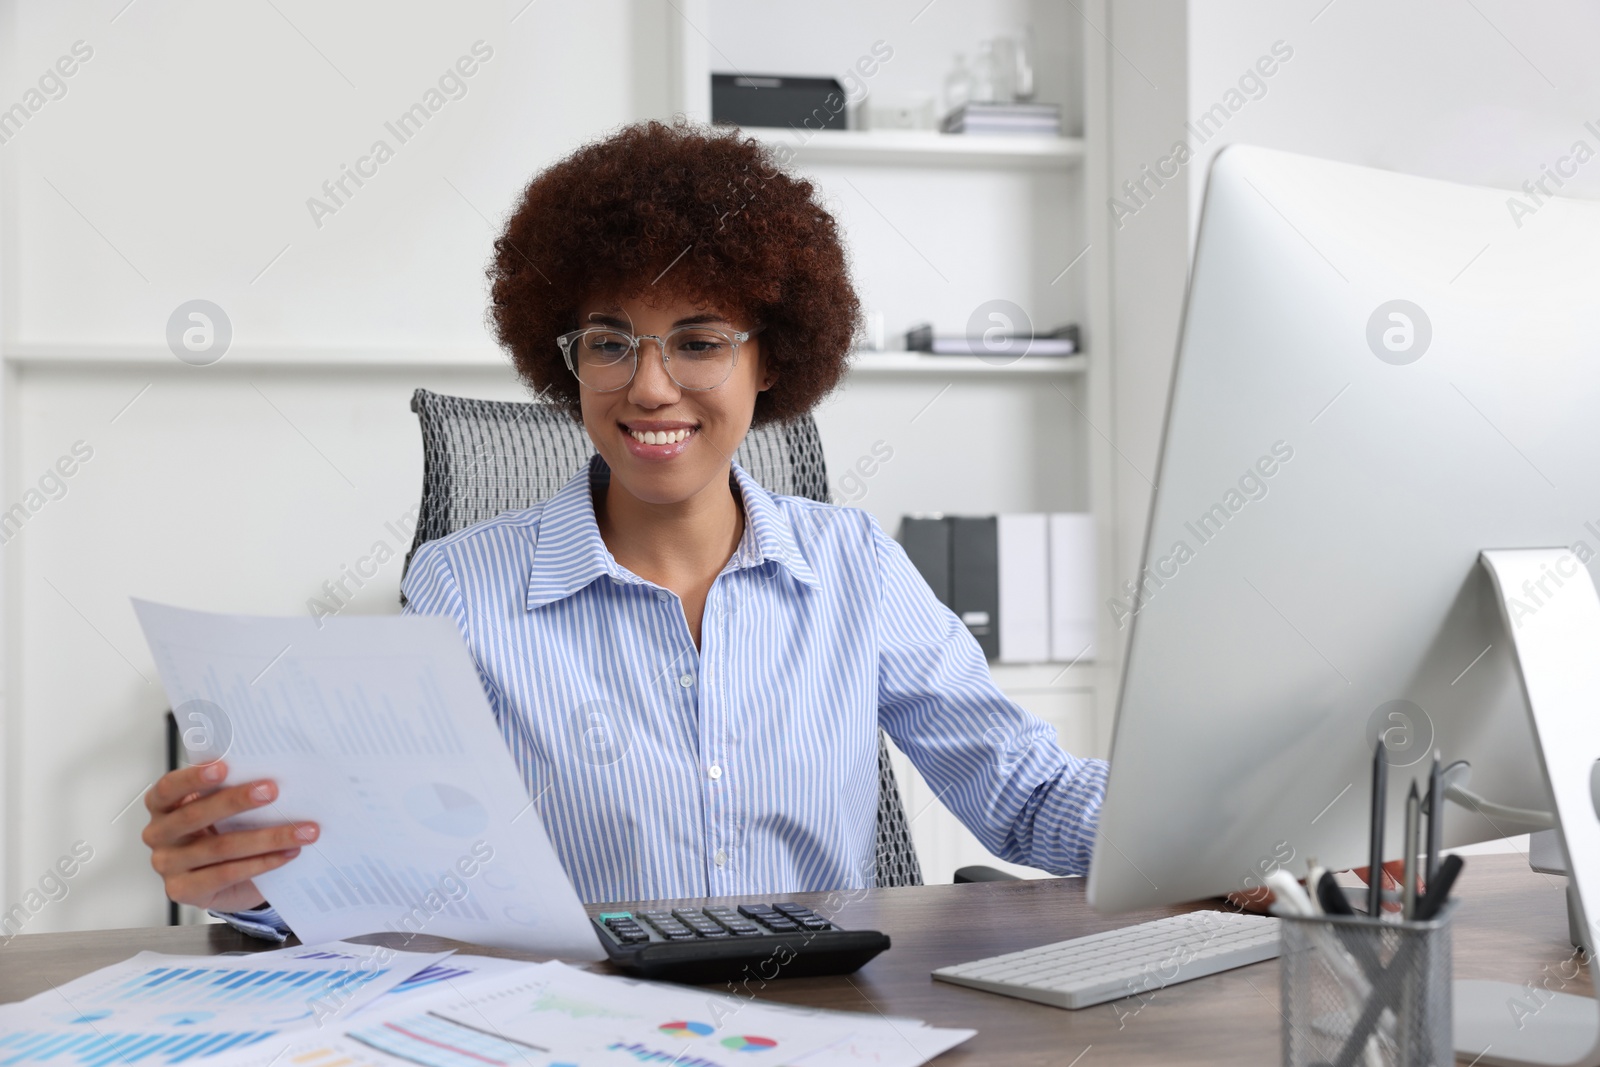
(748,765)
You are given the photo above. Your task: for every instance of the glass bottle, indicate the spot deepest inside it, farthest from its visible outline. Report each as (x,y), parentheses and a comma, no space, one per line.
(985,74)
(957,85)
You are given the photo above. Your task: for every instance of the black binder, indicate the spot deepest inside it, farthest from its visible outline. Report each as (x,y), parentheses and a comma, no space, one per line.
(975,579)
(926,540)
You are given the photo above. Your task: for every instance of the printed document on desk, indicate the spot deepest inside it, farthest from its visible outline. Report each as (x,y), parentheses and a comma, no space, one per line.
(283,990)
(552,1015)
(378,729)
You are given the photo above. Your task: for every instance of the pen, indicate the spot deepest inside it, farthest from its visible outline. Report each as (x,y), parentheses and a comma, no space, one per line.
(1380,787)
(1408,893)
(1289,895)
(1439,888)
(1331,896)
(1435,817)
(1314,873)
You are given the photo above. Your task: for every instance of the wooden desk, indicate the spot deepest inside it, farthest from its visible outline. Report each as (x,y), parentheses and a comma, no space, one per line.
(1511,924)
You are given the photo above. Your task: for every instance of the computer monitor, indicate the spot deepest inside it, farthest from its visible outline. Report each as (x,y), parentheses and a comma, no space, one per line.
(1379,377)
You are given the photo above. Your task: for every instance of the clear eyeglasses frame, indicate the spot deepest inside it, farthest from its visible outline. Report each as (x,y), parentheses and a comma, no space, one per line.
(699,358)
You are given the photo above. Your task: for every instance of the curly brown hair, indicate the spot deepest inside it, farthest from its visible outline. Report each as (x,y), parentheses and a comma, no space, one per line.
(713,218)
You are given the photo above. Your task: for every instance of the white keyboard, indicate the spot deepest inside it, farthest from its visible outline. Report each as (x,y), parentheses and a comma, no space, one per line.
(1120,963)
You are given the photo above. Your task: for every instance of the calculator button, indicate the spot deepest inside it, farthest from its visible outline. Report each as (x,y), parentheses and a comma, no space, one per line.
(670,928)
(737,925)
(773,920)
(699,923)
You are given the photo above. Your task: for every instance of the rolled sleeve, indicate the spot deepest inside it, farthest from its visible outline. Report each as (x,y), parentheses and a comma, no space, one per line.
(997,767)
(263,922)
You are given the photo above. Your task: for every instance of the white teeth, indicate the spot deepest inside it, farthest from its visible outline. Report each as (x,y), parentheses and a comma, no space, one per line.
(659,437)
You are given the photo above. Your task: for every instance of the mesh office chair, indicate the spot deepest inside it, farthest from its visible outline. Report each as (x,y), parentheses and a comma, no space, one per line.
(484,457)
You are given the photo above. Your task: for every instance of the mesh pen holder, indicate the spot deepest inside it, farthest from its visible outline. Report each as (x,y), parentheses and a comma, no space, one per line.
(1360,993)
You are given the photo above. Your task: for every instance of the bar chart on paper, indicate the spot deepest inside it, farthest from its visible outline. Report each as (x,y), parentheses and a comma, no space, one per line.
(371,881)
(378,729)
(105,1048)
(197,987)
(171,1009)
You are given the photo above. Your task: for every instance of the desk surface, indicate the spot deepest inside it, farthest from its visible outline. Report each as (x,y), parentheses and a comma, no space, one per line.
(1511,925)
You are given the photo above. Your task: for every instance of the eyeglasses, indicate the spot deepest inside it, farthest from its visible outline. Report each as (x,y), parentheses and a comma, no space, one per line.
(695,357)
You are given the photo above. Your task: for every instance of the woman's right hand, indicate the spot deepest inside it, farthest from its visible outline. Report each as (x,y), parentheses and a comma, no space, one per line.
(202,865)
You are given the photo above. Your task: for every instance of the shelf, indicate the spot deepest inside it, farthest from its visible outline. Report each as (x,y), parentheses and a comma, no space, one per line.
(923,363)
(253,355)
(925,148)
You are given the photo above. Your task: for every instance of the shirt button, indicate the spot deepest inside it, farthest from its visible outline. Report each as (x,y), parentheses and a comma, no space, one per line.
(721,858)
(686,680)
(715,772)
(662,595)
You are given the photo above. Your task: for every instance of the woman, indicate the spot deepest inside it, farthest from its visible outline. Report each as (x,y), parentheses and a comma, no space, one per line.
(670,287)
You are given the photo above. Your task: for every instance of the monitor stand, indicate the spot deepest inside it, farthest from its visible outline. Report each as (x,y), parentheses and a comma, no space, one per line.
(1555,637)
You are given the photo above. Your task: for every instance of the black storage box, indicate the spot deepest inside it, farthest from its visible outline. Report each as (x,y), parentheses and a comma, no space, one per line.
(763,100)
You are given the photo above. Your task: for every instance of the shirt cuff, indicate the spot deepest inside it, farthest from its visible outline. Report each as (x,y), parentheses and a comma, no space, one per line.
(262,922)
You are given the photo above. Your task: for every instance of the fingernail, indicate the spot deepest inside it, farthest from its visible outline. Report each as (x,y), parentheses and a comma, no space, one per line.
(262,792)
(291,853)
(305,833)
(213,772)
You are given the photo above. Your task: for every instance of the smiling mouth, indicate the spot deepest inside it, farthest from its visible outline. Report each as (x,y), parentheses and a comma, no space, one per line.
(661,437)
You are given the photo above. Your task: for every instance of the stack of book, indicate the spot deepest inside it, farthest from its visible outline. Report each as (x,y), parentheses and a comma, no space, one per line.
(1038,119)
(1023,585)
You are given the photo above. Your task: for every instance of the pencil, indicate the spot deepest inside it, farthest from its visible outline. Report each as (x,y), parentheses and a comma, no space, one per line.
(1413,830)
(1380,787)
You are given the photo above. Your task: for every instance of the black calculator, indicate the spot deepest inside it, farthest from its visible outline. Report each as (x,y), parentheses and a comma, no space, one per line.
(731,943)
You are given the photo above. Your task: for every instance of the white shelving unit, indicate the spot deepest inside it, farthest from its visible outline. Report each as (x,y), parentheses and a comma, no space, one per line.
(925,148)
(939,228)
(936,366)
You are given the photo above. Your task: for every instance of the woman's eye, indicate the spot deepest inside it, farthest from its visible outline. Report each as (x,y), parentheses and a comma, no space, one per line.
(700,346)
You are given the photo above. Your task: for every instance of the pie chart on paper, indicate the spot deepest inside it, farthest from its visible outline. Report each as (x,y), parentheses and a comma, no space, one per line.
(446,809)
(748,1043)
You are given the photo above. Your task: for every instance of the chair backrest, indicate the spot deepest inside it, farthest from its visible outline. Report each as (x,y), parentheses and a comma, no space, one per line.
(484,457)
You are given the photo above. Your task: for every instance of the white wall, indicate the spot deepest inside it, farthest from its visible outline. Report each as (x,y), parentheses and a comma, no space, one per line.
(1491,92)
(1482,92)
(178,165)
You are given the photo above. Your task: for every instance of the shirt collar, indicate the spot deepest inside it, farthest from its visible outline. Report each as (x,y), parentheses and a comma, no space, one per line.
(569,554)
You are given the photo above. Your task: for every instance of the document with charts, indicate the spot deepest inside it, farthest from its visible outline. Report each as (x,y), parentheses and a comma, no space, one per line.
(302,986)
(552,1015)
(154,1009)
(378,729)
